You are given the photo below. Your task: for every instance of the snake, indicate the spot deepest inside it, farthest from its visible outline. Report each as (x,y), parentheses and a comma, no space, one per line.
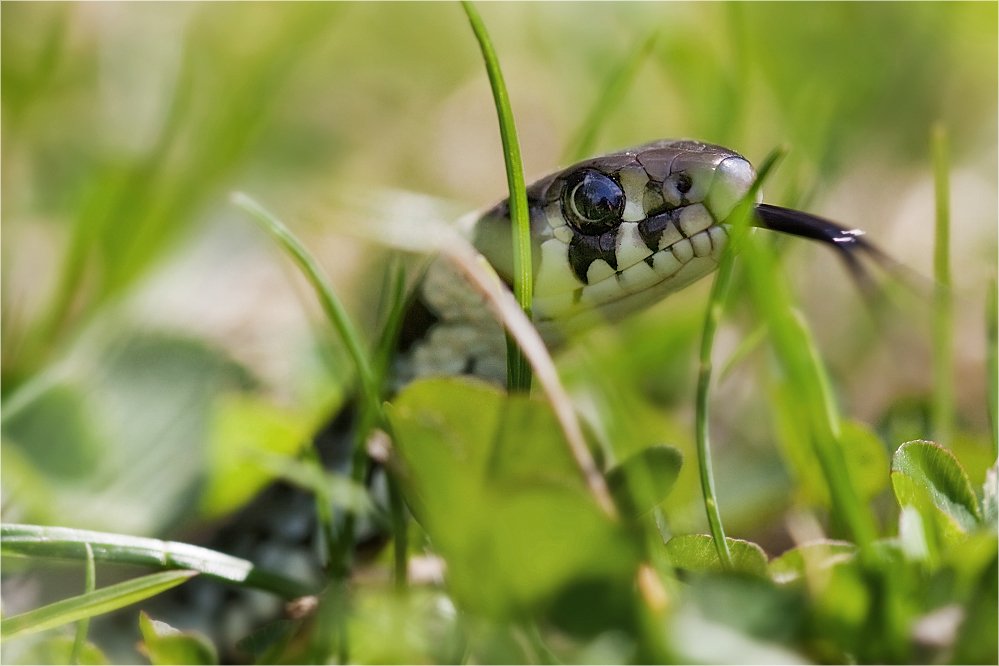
(610,236)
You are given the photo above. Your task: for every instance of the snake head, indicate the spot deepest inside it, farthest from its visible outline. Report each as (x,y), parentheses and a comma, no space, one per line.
(617,233)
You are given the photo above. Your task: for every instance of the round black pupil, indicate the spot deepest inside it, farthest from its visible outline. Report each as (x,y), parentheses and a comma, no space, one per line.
(597,198)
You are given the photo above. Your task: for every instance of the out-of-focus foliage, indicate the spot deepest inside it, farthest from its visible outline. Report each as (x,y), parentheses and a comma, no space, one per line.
(501,498)
(163,644)
(156,354)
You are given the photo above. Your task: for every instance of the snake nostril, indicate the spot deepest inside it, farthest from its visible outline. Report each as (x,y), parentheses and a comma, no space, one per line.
(683,183)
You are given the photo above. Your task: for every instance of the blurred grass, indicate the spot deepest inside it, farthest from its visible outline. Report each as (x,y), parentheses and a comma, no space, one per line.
(133,207)
(92,603)
(943,337)
(614,90)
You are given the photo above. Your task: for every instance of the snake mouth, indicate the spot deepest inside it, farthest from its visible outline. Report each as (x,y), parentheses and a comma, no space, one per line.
(642,275)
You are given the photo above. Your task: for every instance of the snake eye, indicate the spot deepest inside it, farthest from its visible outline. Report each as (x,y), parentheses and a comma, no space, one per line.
(593,203)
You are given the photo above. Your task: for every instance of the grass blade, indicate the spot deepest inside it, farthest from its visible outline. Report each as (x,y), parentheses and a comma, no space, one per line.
(943,347)
(396,282)
(613,92)
(91,604)
(327,297)
(716,303)
(84,624)
(797,354)
(518,369)
(69,544)
(992,359)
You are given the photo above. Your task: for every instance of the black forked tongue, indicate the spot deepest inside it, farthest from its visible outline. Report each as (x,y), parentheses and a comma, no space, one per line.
(850,243)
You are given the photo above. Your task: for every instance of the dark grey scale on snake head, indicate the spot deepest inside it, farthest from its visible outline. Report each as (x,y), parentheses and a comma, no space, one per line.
(584,250)
(653,228)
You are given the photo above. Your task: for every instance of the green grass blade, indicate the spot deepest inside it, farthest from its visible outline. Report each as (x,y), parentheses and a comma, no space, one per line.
(798,356)
(519,370)
(327,297)
(992,359)
(135,206)
(613,92)
(396,310)
(943,347)
(91,604)
(84,624)
(386,345)
(716,304)
(400,535)
(69,544)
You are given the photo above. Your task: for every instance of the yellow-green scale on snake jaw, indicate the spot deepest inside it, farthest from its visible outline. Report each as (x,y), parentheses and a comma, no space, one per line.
(611,235)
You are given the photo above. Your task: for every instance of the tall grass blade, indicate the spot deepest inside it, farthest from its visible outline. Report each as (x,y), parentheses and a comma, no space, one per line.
(797,354)
(613,92)
(716,304)
(332,306)
(383,353)
(992,359)
(943,336)
(518,369)
(91,604)
(69,544)
(84,624)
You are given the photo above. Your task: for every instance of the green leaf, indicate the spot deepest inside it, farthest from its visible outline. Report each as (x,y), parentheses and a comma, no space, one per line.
(517,459)
(795,564)
(88,605)
(55,431)
(697,553)
(945,528)
(244,425)
(165,645)
(936,470)
(644,480)
(58,650)
(146,399)
(490,479)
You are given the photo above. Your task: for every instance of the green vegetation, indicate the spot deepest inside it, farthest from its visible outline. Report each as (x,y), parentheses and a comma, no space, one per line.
(163,362)
(518,370)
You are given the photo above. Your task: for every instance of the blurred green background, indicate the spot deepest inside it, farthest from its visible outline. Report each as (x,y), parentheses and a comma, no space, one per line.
(149,330)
